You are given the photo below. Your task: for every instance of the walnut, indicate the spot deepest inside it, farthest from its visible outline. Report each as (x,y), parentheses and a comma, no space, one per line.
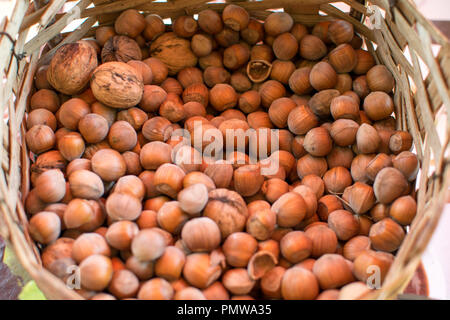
(117,85)
(71,67)
(121,48)
(175,52)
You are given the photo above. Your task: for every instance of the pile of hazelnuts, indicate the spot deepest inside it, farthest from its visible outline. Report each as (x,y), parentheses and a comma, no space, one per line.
(115,194)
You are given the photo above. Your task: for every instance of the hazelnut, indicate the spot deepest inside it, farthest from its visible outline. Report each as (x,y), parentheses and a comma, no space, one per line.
(364,263)
(340,31)
(290,209)
(322,76)
(389,184)
(378,105)
(403,210)
(318,142)
(154,154)
(201,234)
(89,244)
(248,180)
(400,141)
(301,119)
(315,183)
(309,164)
(277,23)
(285,46)
(238,281)
(239,248)
(360,197)
(185,26)
(312,48)
(379,78)
(295,246)
(155,289)
(124,284)
(120,234)
(326,205)
(282,71)
(344,107)
(355,246)
(45,227)
(123,206)
(142,250)
(235,17)
(343,132)
(200,270)
(51,186)
(210,21)
(96,272)
(253,33)
(324,240)
(344,224)
(108,164)
(407,163)
(270,91)
(332,271)
(170,265)
(170,217)
(86,184)
(299,284)
(299,81)
(320,103)
(367,139)
(386,235)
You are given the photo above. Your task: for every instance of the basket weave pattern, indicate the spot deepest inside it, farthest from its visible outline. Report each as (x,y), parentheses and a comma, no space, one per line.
(402,41)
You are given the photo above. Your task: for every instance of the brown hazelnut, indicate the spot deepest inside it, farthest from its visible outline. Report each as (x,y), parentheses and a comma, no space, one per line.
(123,206)
(108,164)
(318,142)
(400,141)
(96,272)
(185,26)
(386,235)
(309,164)
(201,270)
(344,107)
(324,240)
(277,23)
(389,184)
(340,31)
(301,120)
(295,246)
(322,76)
(355,246)
(360,197)
(140,245)
(238,281)
(343,58)
(359,165)
(253,33)
(337,179)
(403,210)
(332,271)
(379,78)
(312,48)
(344,224)
(380,161)
(367,139)
(364,263)
(155,289)
(210,21)
(378,105)
(299,284)
(290,209)
(235,17)
(407,163)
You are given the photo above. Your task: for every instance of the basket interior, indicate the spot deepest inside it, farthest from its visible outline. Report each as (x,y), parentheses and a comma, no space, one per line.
(398,36)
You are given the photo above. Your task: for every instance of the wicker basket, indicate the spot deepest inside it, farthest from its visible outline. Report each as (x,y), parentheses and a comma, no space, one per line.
(402,41)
